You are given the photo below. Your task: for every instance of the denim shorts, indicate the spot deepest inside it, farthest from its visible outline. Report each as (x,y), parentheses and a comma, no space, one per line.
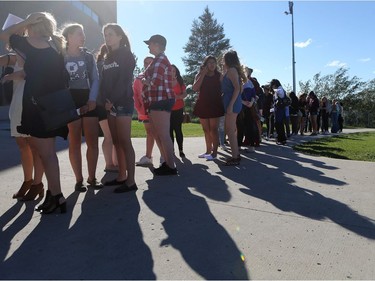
(122,110)
(163,105)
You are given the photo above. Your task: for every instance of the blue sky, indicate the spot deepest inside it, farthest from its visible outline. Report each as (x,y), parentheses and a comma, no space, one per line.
(327,34)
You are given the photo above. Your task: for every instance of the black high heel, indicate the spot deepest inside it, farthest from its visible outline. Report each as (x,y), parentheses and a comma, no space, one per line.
(53,204)
(45,203)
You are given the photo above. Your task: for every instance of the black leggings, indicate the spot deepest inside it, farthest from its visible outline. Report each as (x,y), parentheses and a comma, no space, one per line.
(177,116)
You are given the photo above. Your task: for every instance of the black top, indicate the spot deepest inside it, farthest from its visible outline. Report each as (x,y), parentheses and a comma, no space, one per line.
(117,78)
(44,70)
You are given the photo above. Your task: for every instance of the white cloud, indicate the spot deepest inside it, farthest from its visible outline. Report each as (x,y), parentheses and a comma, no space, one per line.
(365,60)
(303,44)
(336,63)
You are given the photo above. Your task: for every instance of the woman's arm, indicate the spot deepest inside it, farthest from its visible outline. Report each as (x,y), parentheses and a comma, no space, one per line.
(199,79)
(20,27)
(18,75)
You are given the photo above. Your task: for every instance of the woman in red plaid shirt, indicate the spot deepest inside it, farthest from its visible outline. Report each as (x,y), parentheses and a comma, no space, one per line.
(160,98)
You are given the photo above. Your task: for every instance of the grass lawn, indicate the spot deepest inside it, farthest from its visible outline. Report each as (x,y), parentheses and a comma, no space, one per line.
(359,146)
(188,129)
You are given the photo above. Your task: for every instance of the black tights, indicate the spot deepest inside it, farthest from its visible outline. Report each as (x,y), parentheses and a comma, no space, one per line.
(177,117)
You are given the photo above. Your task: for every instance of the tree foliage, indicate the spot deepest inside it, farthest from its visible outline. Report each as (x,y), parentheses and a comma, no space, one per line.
(207,38)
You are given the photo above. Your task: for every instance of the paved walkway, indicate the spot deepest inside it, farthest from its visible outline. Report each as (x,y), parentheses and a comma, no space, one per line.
(279,215)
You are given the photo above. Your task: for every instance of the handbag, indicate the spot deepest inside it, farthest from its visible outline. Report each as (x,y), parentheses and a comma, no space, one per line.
(56,109)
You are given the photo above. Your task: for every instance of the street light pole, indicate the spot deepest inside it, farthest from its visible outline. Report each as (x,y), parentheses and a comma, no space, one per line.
(293,57)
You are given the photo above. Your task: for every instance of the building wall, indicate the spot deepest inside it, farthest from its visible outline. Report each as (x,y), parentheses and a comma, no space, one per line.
(91,14)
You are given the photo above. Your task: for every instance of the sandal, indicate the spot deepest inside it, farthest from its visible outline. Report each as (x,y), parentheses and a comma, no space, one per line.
(232,162)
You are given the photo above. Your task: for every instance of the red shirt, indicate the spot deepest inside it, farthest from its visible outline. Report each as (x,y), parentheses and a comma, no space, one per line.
(178,90)
(138,99)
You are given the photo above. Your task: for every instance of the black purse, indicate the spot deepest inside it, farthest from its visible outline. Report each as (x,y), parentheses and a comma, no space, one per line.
(56,109)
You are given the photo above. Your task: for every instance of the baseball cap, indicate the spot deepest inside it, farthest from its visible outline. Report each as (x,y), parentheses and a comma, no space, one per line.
(157,39)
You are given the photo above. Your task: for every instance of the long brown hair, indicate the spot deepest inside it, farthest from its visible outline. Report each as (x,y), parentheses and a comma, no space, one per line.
(119,32)
(231,60)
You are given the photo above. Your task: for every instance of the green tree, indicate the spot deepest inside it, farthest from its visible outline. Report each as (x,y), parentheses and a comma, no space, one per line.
(207,38)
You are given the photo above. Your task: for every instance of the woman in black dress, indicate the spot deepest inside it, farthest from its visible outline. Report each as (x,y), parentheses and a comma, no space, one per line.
(44,68)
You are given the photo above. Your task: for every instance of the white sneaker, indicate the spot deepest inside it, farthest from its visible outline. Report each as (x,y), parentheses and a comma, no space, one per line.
(203,155)
(209,157)
(144,161)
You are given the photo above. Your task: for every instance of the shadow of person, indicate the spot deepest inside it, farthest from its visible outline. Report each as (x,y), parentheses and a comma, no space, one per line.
(98,239)
(192,229)
(10,226)
(269,182)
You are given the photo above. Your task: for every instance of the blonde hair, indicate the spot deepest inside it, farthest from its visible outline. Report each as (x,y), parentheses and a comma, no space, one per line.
(47,27)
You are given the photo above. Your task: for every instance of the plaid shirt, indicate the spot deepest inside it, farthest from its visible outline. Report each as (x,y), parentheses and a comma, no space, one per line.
(160,74)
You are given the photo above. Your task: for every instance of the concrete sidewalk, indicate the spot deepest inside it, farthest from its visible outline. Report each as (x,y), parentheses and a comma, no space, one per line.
(279,215)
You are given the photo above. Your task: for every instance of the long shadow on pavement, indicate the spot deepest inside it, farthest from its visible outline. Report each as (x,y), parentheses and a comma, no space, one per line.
(191,227)
(105,242)
(265,176)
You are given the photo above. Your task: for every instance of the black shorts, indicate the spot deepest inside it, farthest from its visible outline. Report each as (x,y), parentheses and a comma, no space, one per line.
(80,98)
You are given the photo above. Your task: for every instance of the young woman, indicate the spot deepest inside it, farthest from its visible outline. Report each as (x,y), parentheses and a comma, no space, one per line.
(30,160)
(177,114)
(313,107)
(209,107)
(231,86)
(280,116)
(160,98)
(44,68)
(145,160)
(117,94)
(84,87)
(109,152)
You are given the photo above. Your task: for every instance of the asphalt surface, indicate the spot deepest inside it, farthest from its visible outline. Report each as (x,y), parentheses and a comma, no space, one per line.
(279,215)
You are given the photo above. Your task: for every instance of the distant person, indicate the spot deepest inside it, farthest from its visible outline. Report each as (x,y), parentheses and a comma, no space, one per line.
(84,88)
(158,92)
(340,118)
(293,111)
(109,151)
(334,116)
(44,67)
(268,109)
(302,105)
(209,106)
(117,94)
(177,114)
(279,94)
(313,107)
(247,119)
(325,108)
(143,115)
(231,86)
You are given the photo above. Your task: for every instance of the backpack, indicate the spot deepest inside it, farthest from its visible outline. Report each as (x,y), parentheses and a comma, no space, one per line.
(6,89)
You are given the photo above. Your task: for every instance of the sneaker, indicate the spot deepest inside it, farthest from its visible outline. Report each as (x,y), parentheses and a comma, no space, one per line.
(223,147)
(80,187)
(210,157)
(144,161)
(203,155)
(94,184)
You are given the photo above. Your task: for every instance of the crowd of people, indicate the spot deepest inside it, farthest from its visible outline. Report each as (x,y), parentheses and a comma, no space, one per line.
(105,93)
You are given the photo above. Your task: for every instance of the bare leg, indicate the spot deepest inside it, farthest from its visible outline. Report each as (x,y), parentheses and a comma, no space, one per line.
(207,135)
(160,121)
(214,134)
(91,130)
(120,153)
(150,140)
(75,156)
(230,129)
